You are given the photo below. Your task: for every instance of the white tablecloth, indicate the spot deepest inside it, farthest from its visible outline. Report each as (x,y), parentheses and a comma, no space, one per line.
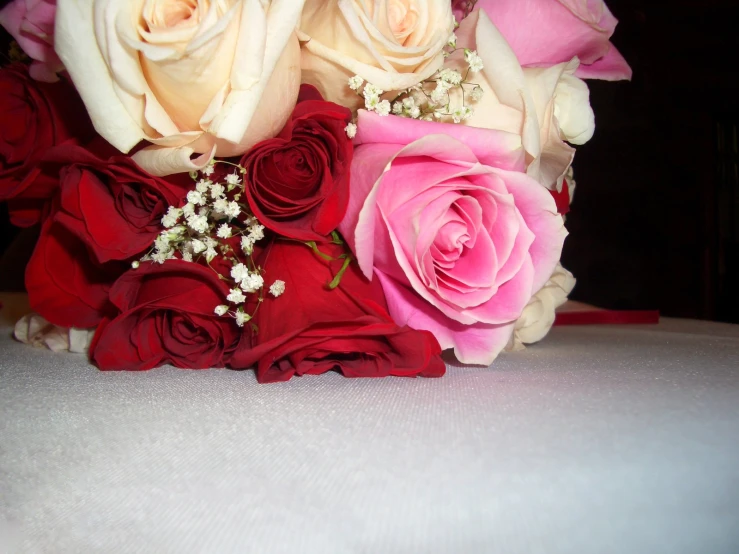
(599,440)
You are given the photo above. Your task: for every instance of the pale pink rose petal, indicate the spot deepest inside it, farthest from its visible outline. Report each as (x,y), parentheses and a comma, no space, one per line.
(476,344)
(539,211)
(548,32)
(493,148)
(612,67)
(509,300)
(31,24)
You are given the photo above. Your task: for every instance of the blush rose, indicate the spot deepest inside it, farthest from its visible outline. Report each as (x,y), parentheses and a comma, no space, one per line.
(548,32)
(31,23)
(457,234)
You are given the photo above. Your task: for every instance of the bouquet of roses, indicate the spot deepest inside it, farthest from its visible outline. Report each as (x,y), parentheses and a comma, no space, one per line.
(297,186)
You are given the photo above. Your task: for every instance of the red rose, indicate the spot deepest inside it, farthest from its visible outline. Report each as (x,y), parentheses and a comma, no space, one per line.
(310,329)
(64,282)
(297,183)
(165,316)
(36,116)
(113,205)
(562,198)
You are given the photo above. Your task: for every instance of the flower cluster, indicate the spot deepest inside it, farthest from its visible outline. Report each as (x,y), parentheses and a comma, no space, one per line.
(235,207)
(432,98)
(207,227)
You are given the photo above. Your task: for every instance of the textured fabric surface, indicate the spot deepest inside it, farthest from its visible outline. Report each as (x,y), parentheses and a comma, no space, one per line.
(599,440)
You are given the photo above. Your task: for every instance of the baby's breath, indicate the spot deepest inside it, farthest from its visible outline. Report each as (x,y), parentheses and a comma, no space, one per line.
(202,230)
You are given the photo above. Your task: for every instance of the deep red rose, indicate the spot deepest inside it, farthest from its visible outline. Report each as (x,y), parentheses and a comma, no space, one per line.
(562,198)
(310,329)
(64,282)
(111,204)
(297,183)
(165,316)
(35,117)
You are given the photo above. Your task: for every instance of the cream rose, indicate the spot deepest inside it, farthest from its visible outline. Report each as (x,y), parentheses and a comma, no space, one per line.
(393,44)
(548,107)
(538,315)
(189,76)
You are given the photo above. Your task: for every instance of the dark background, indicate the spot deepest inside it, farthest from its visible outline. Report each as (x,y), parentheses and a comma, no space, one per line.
(655,221)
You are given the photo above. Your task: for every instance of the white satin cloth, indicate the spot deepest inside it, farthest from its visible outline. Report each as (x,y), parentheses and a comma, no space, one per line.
(597,440)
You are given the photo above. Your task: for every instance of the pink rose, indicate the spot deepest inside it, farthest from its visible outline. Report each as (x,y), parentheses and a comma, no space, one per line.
(548,32)
(31,23)
(458,235)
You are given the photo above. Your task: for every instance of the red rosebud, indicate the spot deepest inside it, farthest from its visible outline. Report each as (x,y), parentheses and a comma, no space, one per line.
(164,315)
(36,116)
(297,183)
(310,329)
(113,205)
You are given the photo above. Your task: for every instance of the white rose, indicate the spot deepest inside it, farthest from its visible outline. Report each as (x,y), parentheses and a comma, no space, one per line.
(393,44)
(35,330)
(188,76)
(546,106)
(538,315)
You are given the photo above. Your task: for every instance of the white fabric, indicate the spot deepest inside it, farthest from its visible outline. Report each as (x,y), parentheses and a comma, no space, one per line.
(597,440)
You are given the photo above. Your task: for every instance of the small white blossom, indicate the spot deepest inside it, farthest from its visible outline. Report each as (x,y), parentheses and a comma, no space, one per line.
(356,82)
(233,179)
(210,242)
(197,246)
(398,108)
(277,288)
(210,254)
(461,114)
(383,108)
(252,283)
(198,223)
(440,92)
(186,256)
(476,93)
(372,90)
(474,61)
(256,232)
(195,197)
(224,231)
(232,210)
(236,296)
(242,318)
(210,168)
(161,244)
(221,205)
(217,191)
(239,272)
(188,210)
(247,245)
(202,186)
(160,257)
(172,216)
(135,264)
(221,310)
(351,130)
(450,76)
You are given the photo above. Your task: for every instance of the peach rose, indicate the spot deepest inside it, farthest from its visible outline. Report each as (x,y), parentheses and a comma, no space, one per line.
(393,44)
(188,76)
(547,107)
